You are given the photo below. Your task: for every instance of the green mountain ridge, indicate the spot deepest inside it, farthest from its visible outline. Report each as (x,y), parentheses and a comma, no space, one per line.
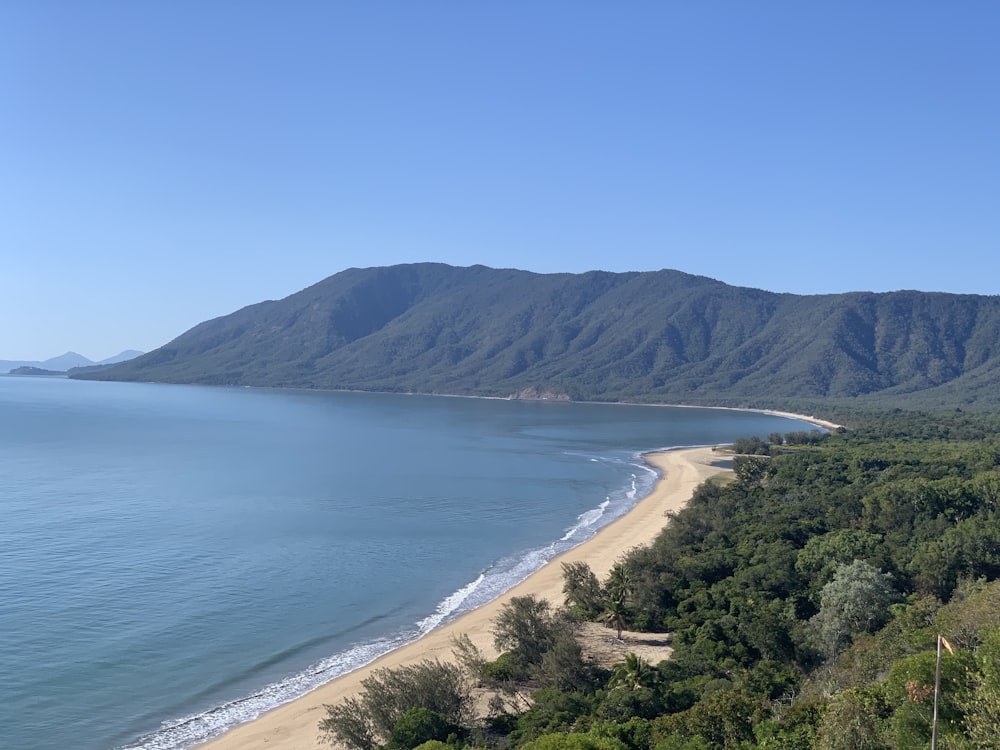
(662,336)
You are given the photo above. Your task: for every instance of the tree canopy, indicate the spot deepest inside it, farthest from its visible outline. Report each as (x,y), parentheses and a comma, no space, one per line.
(804,604)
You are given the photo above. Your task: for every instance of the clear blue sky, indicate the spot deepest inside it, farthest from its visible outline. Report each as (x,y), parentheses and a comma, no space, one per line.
(167,161)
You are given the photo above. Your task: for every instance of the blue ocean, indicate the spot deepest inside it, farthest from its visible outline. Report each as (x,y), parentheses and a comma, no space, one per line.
(175,560)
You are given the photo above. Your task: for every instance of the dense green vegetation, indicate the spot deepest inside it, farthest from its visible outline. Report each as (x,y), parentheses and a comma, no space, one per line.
(660,336)
(805,596)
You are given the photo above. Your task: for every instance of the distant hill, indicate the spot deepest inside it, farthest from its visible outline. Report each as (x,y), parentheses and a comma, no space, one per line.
(124,356)
(74,371)
(64,362)
(662,336)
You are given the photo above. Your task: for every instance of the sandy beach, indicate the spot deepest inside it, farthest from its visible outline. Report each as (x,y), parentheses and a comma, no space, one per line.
(294,725)
(826,424)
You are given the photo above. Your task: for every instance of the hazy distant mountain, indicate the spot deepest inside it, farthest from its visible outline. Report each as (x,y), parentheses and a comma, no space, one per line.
(65,362)
(124,356)
(655,336)
(6,365)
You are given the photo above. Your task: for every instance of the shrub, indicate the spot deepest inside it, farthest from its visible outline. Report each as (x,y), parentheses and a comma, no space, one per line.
(365,722)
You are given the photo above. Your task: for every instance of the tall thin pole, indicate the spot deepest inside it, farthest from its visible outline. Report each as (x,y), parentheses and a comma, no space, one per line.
(937,689)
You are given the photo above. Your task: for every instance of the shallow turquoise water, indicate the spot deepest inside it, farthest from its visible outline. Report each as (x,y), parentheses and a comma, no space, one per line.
(178,559)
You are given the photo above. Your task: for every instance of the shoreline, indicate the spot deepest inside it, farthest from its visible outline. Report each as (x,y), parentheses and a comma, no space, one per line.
(818,421)
(293,725)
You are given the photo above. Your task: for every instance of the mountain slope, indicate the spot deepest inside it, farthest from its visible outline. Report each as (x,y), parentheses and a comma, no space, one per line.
(120,357)
(654,336)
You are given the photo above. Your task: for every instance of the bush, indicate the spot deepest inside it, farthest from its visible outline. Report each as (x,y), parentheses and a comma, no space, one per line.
(574,742)
(365,722)
(855,720)
(856,601)
(419,725)
(584,596)
(504,668)
(722,720)
(525,628)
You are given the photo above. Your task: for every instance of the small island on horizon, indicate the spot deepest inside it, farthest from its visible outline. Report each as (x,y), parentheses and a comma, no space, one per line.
(69,363)
(37,372)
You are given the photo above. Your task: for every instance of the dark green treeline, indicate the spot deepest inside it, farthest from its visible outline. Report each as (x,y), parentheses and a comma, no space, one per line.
(804,595)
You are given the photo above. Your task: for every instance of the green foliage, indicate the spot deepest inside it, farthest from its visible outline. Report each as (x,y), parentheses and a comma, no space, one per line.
(971,614)
(506,667)
(538,646)
(874,540)
(551,711)
(724,719)
(736,575)
(751,470)
(856,601)
(970,548)
(620,585)
(351,725)
(583,592)
(818,560)
(370,720)
(419,725)
(633,673)
(635,733)
(562,666)
(981,708)
(870,657)
(615,615)
(574,742)
(909,690)
(752,446)
(771,679)
(801,437)
(659,336)
(526,629)
(791,728)
(854,720)
(643,702)
(675,741)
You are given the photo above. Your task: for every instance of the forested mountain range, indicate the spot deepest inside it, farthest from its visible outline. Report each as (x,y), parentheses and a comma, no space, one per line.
(662,336)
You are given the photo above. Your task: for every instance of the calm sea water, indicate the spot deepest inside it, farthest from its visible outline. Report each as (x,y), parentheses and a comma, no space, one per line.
(178,559)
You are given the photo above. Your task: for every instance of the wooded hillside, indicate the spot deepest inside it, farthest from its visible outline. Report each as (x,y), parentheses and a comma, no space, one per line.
(659,336)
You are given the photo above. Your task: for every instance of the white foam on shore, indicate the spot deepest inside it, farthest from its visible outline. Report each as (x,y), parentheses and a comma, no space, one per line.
(449,605)
(192,730)
(588,519)
(189,731)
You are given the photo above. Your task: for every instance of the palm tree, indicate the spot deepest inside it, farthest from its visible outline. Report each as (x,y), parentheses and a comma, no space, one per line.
(620,585)
(634,673)
(615,616)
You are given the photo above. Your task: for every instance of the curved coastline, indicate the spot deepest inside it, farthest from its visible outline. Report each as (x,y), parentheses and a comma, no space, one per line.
(293,725)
